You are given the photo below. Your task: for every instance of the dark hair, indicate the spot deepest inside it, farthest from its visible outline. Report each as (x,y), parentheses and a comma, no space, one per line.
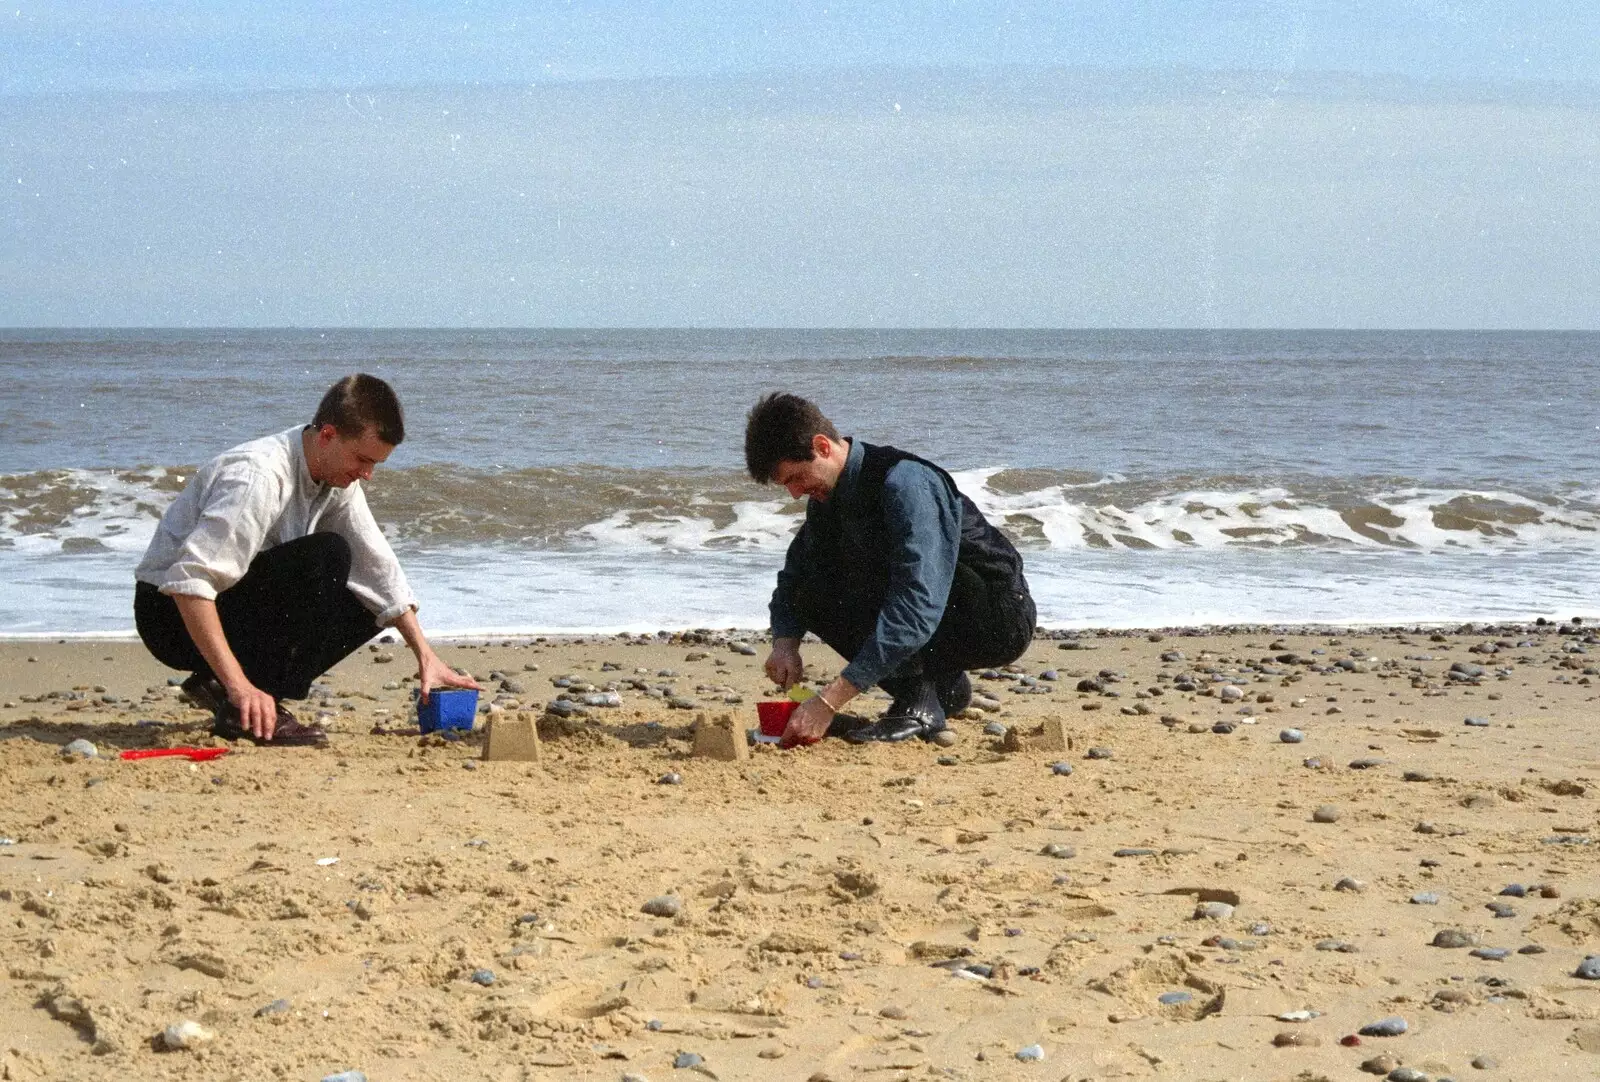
(359,402)
(780,428)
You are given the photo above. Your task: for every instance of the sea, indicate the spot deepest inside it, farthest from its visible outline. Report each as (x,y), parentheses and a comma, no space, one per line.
(588,481)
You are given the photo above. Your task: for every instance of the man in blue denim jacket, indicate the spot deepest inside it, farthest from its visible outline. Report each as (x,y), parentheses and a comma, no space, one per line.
(893,568)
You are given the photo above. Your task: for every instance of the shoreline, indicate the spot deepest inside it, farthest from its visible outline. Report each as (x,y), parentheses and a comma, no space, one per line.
(1052,632)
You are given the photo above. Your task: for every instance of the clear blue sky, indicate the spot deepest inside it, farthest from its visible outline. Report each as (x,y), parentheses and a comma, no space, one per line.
(72,45)
(1406,163)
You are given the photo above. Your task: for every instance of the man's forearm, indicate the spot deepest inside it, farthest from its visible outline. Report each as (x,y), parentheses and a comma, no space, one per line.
(200,619)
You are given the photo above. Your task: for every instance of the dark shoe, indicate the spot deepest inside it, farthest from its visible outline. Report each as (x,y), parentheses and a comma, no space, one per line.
(915,712)
(287,733)
(893,728)
(208,694)
(955,693)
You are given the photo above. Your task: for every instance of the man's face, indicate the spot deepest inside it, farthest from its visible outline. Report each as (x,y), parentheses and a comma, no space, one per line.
(817,477)
(347,459)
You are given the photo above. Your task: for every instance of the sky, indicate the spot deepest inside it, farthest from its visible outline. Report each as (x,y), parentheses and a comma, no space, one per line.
(1397,164)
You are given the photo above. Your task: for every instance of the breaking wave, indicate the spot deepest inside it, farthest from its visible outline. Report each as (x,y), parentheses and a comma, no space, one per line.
(437,507)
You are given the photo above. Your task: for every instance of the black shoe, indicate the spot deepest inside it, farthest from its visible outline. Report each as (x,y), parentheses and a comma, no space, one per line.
(955,693)
(915,712)
(288,732)
(893,728)
(207,693)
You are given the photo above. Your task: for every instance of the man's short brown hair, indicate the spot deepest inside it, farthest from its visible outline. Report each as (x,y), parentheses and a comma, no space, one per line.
(780,428)
(359,402)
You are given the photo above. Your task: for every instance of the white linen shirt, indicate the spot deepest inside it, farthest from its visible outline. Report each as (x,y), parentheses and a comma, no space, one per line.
(256,496)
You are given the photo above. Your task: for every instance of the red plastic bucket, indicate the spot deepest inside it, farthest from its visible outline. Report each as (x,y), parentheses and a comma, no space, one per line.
(774,715)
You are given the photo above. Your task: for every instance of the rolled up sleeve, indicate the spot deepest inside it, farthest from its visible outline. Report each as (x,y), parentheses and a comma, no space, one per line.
(923,520)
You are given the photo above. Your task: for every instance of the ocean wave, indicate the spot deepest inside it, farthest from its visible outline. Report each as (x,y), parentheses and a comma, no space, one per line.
(433,507)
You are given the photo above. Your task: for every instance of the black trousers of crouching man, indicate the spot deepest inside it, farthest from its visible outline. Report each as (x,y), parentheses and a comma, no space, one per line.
(984,624)
(289,620)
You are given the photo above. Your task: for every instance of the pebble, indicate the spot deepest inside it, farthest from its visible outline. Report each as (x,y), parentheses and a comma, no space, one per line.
(1173,998)
(1291,1039)
(664,905)
(1478,723)
(1485,1063)
(1366,764)
(1589,968)
(945,738)
(1489,954)
(1416,775)
(485,977)
(687,1059)
(80,747)
(1213,911)
(1349,883)
(1425,898)
(1313,763)
(1299,1016)
(277,1006)
(1134,853)
(670,778)
(1325,813)
(1230,693)
(1406,1074)
(1392,1026)
(345,1076)
(1339,945)
(1031,1054)
(1452,938)
(1292,736)
(1514,890)
(1502,909)
(1099,753)
(1059,851)
(1261,927)
(994,728)
(1223,728)
(185,1035)
(1382,1063)
(1061,769)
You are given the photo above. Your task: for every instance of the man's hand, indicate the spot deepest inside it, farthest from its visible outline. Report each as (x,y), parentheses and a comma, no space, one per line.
(808,724)
(258,713)
(784,666)
(432,673)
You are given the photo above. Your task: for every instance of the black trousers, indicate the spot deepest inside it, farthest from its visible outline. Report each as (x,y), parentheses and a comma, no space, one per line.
(289,620)
(984,624)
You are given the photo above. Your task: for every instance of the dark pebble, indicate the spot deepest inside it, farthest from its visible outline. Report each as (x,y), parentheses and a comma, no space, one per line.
(1059,851)
(1478,723)
(484,977)
(1385,1027)
(664,905)
(1406,1074)
(1223,728)
(1061,769)
(1589,968)
(687,1059)
(277,1006)
(1134,853)
(1514,890)
(1338,945)
(1531,948)
(994,728)
(1171,998)
(1490,954)
(1502,909)
(1366,764)
(1453,938)
(672,778)
(1099,753)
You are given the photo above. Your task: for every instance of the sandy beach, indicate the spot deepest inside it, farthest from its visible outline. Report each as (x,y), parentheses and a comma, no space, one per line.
(1196,898)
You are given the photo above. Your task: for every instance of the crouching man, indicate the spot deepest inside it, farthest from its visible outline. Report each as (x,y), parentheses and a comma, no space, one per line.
(893,568)
(268,569)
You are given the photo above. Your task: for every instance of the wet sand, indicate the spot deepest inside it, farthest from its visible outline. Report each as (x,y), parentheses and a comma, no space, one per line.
(818,889)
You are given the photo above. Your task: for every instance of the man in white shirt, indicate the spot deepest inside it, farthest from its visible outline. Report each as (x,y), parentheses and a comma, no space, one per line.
(268,569)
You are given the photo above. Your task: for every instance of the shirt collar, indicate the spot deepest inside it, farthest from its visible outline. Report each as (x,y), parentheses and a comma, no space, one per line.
(297,452)
(848,477)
